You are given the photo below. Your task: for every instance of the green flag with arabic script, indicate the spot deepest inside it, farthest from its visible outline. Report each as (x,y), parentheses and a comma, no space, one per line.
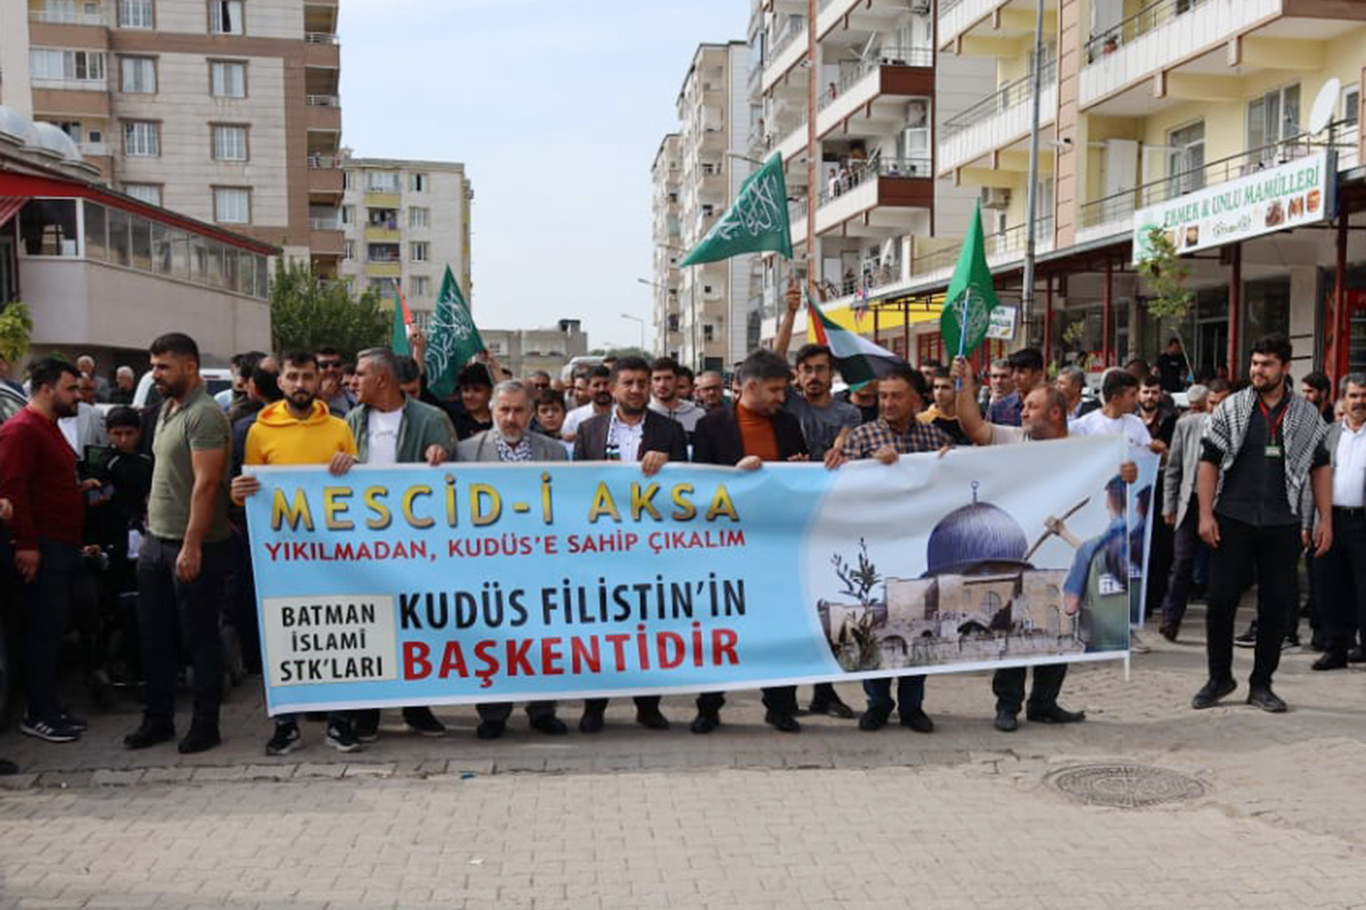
(971,295)
(757,220)
(452,338)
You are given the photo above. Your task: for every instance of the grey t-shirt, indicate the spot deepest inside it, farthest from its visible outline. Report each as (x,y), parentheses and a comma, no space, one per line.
(820,426)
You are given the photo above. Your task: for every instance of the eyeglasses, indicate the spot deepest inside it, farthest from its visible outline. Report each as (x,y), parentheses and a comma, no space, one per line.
(329,364)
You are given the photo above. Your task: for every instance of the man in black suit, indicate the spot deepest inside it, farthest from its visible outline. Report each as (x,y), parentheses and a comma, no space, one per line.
(754,430)
(630,431)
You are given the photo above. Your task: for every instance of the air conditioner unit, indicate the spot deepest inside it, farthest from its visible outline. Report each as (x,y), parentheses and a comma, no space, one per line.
(995,197)
(920,7)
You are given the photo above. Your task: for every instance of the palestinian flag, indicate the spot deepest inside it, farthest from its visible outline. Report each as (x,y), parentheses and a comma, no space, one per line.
(858,359)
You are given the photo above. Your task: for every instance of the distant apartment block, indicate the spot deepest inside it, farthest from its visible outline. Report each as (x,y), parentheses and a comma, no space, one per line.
(524,351)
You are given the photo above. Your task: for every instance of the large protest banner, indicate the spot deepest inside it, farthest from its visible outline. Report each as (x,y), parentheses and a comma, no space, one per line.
(485,582)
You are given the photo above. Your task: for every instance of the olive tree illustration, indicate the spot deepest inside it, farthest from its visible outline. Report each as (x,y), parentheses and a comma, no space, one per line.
(858,580)
(1166,274)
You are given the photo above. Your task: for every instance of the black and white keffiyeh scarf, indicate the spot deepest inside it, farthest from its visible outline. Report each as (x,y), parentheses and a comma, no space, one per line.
(1301,434)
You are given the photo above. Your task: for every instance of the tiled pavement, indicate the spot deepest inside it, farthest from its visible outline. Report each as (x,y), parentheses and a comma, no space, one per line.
(746,817)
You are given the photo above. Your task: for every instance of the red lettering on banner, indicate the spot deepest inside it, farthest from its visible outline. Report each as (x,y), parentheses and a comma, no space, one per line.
(723,642)
(415,660)
(551,657)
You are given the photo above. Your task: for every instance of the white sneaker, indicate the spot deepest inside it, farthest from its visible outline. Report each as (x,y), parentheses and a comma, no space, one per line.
(1136,643)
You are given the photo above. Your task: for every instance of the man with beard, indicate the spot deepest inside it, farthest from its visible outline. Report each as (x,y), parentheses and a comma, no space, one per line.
(631,432)
(1317,389)
(665,399)
(600,402)
(299,429)
(1043,416)
(710,390)
(1263,455)
(187,556)
(38,479)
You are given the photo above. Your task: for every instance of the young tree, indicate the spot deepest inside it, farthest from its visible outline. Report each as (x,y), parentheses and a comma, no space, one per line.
(307,312)
(16,328)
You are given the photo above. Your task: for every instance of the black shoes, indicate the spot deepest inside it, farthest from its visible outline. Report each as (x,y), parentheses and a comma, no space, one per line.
(423,721)
(1054,714)
(651,719)
(873,719)
(1356,655)
(548,724)
(52,731)
(782,722)
(917,720)
(1007,721)
(1331,660)
(833,706)
(706,721)
(490,729)
(1211,692)
(201,738)
(1169,630)
(151,733)
(591,722)
(1262,697)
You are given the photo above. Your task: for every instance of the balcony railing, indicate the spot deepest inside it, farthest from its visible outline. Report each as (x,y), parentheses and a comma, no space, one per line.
(66,17)
(1011,240)
(786,37)
(1150,17)
(1122,205)
(889,56)
(323,101)
(796,209)
(324,162)
(999,101)
(850,178)
(324,224)
(876,274)
(321,38)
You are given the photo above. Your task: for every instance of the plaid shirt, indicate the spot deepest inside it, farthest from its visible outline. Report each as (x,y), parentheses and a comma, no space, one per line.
(919,437)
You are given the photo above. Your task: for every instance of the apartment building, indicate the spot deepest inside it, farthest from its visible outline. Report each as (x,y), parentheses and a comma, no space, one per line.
(403,223)
(524,351)
(1233,125)
(702,314)
(223,110)
(852,96)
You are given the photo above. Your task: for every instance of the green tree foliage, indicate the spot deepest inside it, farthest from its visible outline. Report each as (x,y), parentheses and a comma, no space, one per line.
(1166,273)
(308,312)
(16,328)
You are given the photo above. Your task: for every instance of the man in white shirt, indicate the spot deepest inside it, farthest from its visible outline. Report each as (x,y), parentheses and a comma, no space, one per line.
(600,402)
(665,400)
(1117,417)
(1341,572)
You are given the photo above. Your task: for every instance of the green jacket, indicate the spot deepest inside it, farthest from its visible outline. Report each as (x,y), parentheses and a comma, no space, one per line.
(422,426)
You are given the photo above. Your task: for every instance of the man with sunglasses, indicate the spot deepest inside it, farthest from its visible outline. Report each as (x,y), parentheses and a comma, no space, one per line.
(333,391)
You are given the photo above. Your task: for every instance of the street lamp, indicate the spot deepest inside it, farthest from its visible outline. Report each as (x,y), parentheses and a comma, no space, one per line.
(642,329)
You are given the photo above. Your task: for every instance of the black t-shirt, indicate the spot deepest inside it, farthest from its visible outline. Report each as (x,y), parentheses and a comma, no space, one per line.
(1254,488)
(466,426)
(952,429)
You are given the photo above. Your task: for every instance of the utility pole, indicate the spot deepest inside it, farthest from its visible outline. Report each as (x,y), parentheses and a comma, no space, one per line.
(1032,191)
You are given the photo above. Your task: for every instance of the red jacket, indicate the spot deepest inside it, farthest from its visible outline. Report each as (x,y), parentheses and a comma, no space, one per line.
(38,475)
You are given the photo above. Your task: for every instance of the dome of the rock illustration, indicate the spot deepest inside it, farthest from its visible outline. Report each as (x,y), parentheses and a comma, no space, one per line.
(972,535)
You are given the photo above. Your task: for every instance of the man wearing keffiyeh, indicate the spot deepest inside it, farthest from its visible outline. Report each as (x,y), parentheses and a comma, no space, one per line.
(1263,457)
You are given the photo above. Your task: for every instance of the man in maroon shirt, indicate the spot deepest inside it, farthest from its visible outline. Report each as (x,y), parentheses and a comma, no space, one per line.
(38,476)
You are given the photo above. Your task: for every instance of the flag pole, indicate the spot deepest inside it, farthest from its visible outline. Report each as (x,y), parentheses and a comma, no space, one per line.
(962,335)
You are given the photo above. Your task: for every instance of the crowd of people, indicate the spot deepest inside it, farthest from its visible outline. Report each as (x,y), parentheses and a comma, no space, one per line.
(135,519)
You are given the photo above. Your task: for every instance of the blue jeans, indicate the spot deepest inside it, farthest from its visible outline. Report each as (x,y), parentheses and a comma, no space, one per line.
(910,694)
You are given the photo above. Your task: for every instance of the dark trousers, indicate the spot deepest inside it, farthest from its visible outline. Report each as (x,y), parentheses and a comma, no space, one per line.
(1273,555)
(780,699)
(1184,544)
(242,602)
(501,711)
(46,601)
(369,717)
(910,694)
(1008,685)
(194,609)
(599,705)
(1161,553)
(1341,580)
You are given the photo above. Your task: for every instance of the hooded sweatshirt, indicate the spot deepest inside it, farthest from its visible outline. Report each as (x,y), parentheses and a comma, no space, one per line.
(278,437)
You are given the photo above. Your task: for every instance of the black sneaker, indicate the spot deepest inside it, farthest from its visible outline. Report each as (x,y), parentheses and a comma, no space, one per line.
(341,737)
(201,738)
(548,724)
(52,731)
(917,720)
(422,720)
(79,724)
(1211,692)
(1248,639)
(285,740)
(151,733)
(1290,641)
(1262,697)
(873,719)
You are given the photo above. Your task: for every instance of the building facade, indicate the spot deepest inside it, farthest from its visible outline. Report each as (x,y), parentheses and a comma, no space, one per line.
(667,311)
(404,222)
(524,351)
(223,110)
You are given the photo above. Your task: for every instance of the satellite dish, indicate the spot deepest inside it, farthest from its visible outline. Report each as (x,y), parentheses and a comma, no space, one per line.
(1321,114)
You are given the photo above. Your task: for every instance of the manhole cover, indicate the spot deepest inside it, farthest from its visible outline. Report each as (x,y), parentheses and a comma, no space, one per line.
(1125,786)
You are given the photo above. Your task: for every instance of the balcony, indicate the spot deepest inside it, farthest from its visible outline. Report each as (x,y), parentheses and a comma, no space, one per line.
(325,237)
(893,74)
(1160,36)
(789,47)
(322,49)
(324,113)
(66,17)
(1113,216)
(998,120)
(796,219)
(325,175)
(963,21)
(387,232)
(1003,249)
(873,192)
(381,200)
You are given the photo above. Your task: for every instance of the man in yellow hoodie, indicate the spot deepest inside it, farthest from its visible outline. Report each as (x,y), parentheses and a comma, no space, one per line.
(298,429)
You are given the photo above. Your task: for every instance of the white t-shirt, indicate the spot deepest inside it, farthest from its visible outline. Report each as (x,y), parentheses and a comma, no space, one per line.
(383,430)
(574,418)
(1130,426)
(626,438)
(68,427)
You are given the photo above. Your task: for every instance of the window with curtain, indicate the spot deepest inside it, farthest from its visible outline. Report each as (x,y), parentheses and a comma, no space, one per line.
(229,79)
(141,139)
(225,17)
(135,14)
(138,75)
(232,205)
(229,143)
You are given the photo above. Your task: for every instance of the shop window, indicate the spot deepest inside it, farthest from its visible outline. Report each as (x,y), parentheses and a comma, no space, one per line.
(47,227)
(96,228)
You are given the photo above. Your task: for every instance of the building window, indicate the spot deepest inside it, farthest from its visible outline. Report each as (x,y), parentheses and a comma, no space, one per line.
(419,217)
(229,79)
(708,332)
(139,75)
(348,182)
(1351,106)
(421,286)
(141,138)
(232,205)
(149,193)
(66,66)
(348,214)
(417,183)
(417,252)
(382,252)
(349,250)
(381,181)
(1273,118)
(225,17)
(229,143)
(1186,158)
(135,14)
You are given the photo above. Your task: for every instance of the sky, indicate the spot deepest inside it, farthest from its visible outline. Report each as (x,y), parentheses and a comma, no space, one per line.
(556,108)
